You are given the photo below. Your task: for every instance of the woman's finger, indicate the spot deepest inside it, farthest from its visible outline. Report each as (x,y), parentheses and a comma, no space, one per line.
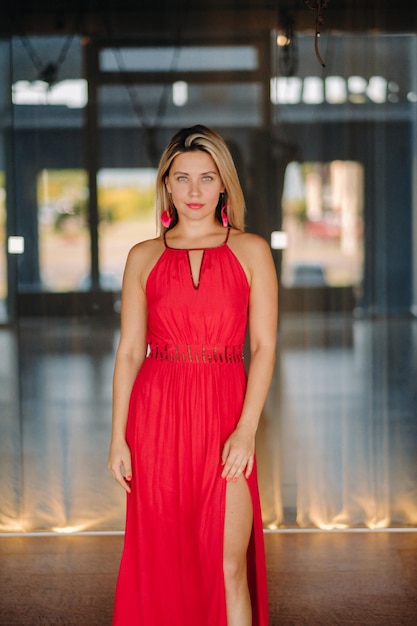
(249,466)
(123,480)
(235,469)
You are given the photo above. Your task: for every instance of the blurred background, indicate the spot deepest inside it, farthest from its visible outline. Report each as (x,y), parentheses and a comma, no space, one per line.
(317,101)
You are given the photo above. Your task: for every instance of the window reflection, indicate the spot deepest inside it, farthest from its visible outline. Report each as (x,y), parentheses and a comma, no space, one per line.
(3,266)
(187,58)
(322,204)
(64,240)
(126,199)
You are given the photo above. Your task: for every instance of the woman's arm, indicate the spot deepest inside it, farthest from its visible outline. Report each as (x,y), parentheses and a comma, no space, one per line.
(130,354)
(239,449)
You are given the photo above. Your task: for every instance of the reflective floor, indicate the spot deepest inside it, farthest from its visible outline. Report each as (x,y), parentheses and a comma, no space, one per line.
(337,442)
(314,579)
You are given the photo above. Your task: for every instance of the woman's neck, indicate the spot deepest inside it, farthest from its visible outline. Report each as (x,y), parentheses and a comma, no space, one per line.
(196,235)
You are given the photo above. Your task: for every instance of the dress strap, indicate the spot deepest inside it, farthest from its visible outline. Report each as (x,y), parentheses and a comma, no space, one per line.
(227,236)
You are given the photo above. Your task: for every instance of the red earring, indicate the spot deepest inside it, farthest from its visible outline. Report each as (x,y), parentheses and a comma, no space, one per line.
(166,218)
(225,219)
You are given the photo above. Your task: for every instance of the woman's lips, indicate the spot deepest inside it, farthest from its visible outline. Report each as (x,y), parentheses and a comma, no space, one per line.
(195,205)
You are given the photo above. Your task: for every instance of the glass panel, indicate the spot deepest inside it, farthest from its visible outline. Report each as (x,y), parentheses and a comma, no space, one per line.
(3,244)
(323,204)
(5,164)
(320,467)
(218,104)
(48,93)
(169,59)
(48,89)
(64,241)
(365,71)
(127,215)
(70,93)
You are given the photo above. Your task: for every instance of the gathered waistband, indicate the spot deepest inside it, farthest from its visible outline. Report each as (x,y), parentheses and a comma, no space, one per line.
(188,353)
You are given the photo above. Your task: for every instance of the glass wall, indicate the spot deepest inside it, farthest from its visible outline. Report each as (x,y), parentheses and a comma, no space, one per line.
(3,239)
(49,96)
(5,123)
(325,159)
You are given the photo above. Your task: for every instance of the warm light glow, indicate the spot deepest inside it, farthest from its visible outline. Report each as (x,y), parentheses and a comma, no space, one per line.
(283,40)
(68,530)
(14,526)
(375,525)
(335,526)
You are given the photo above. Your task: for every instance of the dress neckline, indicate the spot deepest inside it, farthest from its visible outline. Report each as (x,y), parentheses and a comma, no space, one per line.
(220,245)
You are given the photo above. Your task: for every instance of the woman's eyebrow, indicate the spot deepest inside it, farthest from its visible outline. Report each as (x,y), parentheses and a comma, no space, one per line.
(201,173)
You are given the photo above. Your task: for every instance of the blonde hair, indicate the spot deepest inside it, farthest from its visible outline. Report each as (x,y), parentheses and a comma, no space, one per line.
(206,140)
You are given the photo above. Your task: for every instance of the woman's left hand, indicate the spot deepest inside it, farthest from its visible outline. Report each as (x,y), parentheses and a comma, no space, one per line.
(238,455)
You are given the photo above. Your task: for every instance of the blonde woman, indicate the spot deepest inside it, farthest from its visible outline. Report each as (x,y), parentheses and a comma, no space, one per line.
(185,410)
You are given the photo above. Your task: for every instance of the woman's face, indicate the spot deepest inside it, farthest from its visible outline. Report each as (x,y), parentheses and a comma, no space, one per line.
(195,184)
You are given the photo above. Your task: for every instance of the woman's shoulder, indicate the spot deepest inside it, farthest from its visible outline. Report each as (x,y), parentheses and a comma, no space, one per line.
(143,255)
(252,251)
(248,243)
(144,249)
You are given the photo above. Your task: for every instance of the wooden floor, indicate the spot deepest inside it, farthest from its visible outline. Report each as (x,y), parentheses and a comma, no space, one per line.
(315,579)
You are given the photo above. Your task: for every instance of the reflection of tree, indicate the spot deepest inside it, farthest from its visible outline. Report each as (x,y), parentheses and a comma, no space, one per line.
(121,203)
(62,199)
(71,219)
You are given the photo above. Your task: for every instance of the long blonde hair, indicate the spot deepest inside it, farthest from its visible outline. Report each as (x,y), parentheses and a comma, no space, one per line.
(202,138)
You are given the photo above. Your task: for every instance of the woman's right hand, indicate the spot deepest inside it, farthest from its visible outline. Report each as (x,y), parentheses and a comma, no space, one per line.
(120,464)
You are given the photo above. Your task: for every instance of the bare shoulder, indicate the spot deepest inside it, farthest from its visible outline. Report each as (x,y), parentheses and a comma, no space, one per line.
(248,241)
(249,245)
(252,250)
(146,248)
(143,256)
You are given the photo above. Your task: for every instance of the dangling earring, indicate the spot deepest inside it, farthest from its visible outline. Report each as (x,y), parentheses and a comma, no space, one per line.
(223,212)
(166,218)
(225,219)
(167,215)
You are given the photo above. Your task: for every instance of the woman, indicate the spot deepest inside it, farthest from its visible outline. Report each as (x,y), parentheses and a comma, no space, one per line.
(185,412)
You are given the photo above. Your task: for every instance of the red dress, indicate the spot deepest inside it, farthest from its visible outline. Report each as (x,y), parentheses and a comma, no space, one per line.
(185,402)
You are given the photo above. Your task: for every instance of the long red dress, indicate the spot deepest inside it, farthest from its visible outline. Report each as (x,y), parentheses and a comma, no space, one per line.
(185,402)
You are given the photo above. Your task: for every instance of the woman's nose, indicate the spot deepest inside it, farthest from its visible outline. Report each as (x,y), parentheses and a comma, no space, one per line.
(195,188)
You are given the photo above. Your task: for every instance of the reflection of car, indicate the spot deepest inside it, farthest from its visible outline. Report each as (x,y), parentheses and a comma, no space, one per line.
(305,274)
